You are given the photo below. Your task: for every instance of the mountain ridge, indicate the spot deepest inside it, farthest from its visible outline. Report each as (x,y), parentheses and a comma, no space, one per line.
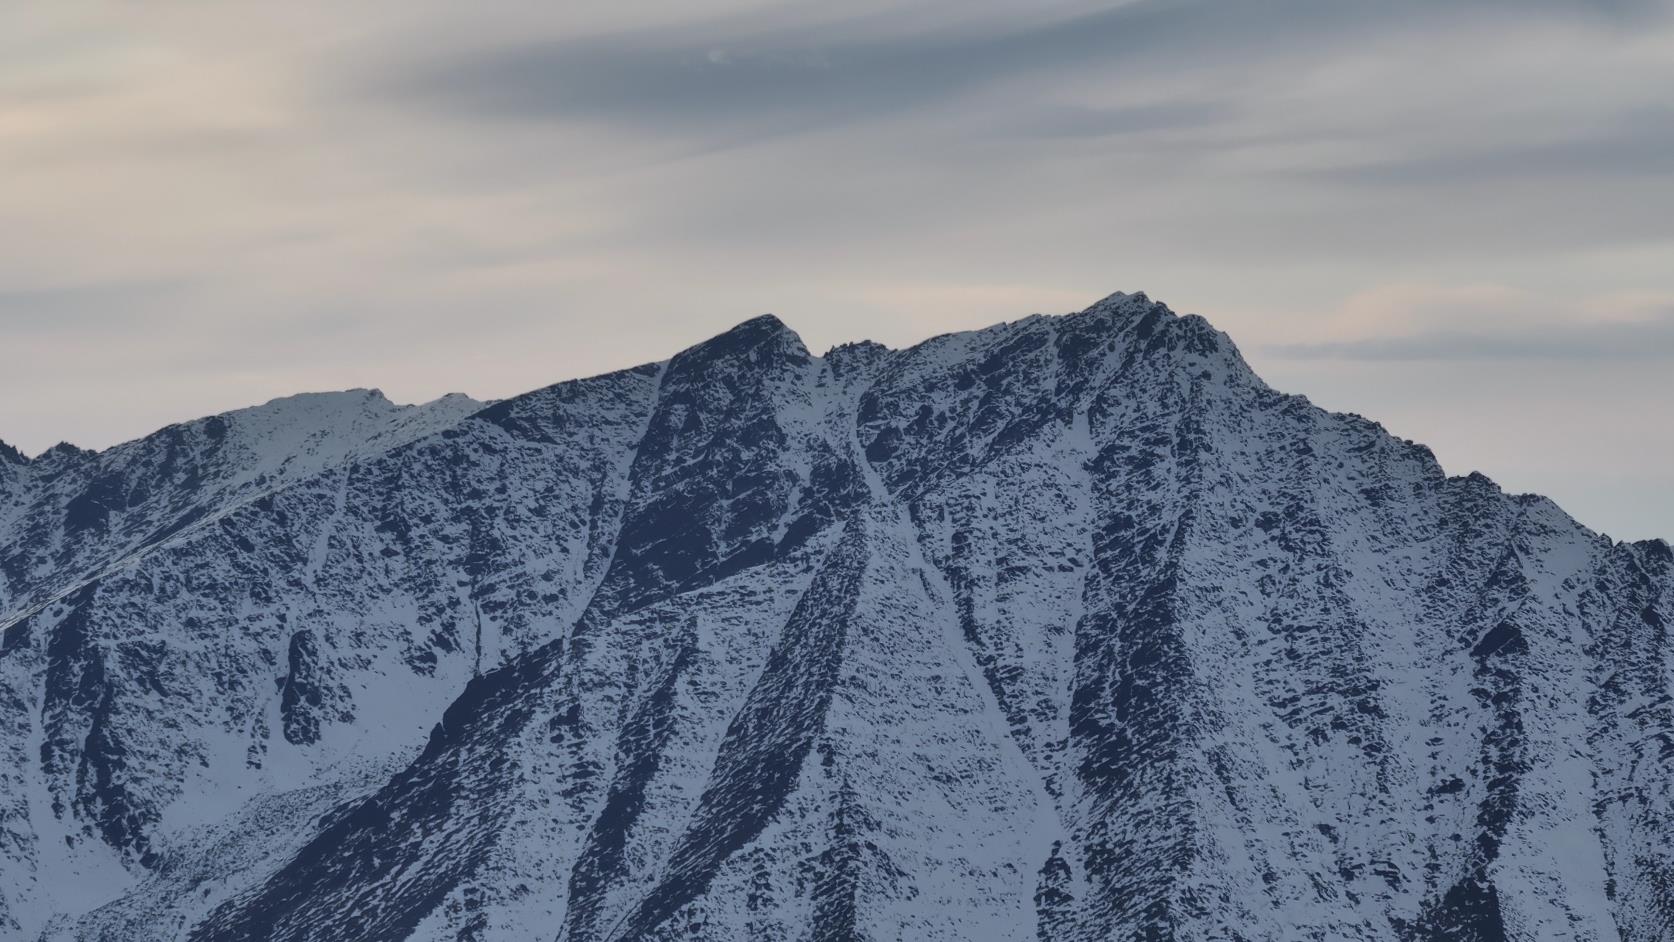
(748,636)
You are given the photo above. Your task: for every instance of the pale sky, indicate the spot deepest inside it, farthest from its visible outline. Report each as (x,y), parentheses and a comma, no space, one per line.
(1454,217)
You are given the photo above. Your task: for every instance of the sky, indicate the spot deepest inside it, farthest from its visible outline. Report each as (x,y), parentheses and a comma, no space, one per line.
(1454,217)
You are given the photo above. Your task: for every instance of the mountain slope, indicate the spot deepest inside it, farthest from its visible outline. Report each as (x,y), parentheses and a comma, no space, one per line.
(1070,628)
(70,512)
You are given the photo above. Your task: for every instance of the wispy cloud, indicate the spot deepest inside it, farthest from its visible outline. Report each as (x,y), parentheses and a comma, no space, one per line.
(1637,145)
(1489,322)
(1652,340)
(733,75)
(102,307)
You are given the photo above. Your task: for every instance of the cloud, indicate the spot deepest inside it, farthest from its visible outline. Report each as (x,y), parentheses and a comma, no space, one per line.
(1481,323)
(423,196)
(1648,341)
(1071,121)
(731,75)
(104,307)
(1638,145)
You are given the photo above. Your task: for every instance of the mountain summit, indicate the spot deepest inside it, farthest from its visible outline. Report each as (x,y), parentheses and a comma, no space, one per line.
(1066,629)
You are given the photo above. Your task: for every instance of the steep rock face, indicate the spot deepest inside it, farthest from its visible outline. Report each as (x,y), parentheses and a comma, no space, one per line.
(1066,629)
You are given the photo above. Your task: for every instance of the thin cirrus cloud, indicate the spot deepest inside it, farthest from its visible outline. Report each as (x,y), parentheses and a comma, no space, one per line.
(1651,339)
(1090,122)
(1637,145)
(732,73)
(103,307)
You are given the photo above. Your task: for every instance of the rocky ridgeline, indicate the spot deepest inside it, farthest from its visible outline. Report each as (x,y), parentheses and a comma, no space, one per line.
(1066,629)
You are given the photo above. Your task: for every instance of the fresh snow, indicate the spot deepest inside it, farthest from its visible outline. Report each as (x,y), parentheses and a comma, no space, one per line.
(1066,629)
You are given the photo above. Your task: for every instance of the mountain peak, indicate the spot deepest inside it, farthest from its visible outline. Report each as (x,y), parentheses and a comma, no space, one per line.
(323,399)
(65,451)
(1123,299)
(767,321)
(1153,328)
(754,340)
(762,327)
(10,455)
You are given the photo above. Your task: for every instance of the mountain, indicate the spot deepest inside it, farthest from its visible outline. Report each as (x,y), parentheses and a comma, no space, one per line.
(71,512)
(1066,629)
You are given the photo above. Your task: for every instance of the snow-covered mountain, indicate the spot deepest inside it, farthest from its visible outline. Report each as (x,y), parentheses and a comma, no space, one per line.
(1066,629)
